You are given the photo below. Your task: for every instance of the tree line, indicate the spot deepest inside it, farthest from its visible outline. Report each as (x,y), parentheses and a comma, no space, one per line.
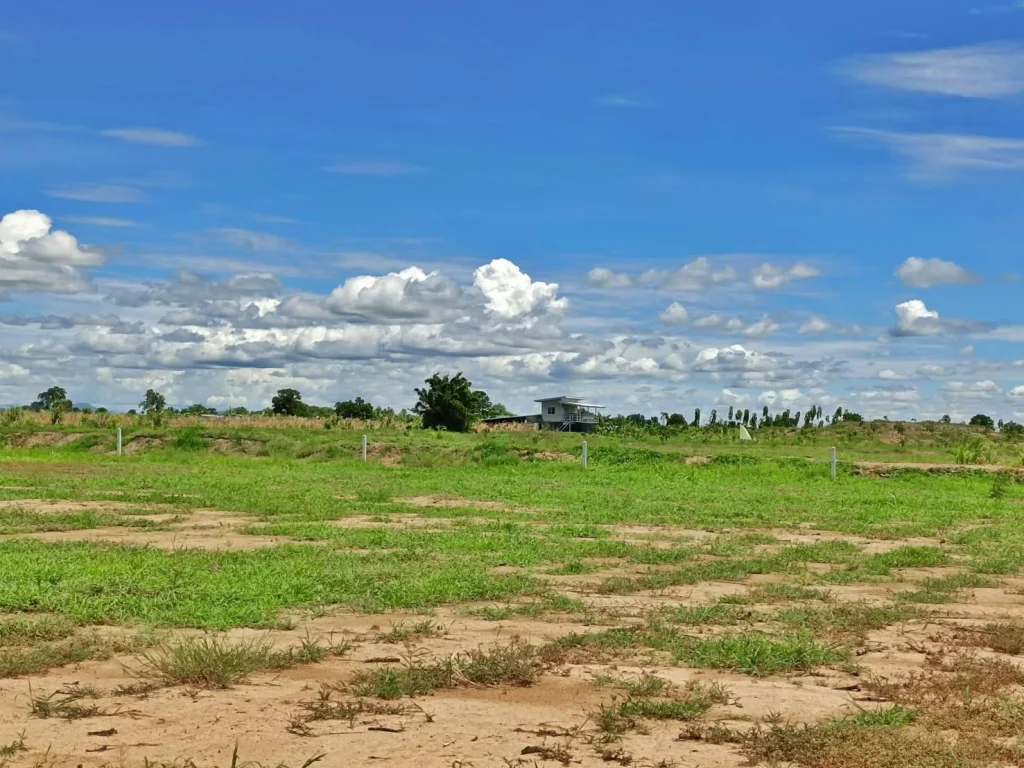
(450,403)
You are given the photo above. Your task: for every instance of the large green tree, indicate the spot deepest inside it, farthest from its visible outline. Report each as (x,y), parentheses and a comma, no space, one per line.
(354,409)
(45,401)
(153,403)
(982,420)
(288,402)
(447,402)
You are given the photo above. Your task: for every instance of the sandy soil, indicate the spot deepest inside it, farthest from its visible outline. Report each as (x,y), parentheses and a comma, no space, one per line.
(471,726)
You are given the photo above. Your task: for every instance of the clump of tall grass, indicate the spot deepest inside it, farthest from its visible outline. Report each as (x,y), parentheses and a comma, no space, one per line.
(972,451)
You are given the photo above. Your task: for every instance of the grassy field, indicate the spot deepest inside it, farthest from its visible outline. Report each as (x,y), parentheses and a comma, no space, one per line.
(724,598)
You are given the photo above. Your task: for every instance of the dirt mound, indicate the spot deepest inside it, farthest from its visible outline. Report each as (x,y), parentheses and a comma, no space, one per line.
(237,446)
(383,453)
(42,440)
(140,444)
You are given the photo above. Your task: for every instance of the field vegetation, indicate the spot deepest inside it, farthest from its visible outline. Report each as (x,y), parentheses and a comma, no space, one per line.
(480,597)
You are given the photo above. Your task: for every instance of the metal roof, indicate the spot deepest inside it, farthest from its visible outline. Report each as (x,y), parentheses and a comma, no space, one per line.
(566,400)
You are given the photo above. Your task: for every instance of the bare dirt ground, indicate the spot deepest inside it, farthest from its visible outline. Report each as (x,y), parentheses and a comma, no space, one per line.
(479,726)
(468,726)
(553,721)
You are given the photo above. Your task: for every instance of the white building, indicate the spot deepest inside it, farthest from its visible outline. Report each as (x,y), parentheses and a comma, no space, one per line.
(568,414)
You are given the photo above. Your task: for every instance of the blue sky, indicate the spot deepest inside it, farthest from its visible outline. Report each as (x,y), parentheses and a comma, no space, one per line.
(660,205)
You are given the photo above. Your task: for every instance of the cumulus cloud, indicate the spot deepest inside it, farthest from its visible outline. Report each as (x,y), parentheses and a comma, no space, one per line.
(35,257)
(1017,392)
(674,314)
(913,318)
(814,326)
(732,358)
(972,390)
(697,275)
(770,276)
(927,273)
(511,294)
(602,277)
(411,294)
(974,71)
(761,328)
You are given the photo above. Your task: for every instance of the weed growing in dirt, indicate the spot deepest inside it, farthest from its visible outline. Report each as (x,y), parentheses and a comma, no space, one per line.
(945,589)
(32,659)
(512,665)
(401,632)
(213,662)
(651,698)
(753,653)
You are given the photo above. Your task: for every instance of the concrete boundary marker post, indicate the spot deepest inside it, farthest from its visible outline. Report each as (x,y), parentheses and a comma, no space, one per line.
(364,447)
(833,462)
(584,454)
(118,441)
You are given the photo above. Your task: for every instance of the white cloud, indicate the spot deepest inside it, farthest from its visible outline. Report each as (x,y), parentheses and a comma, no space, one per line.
(937,156)
(890,375)
(697,275)
(602,277)
(154,136)
(972,390)
(374,168)
(967,350)
(100,193)
(814,326)
(511,294)
(396,297)
(35,257)
(1017,392)
(927,273)
(773,276)
(760,329)
(931,370)
(913,318)
(975,71)
(674,314)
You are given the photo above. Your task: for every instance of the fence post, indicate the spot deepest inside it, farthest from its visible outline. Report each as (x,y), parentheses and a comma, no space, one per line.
(118,441)
(584,454)
(364,447)
(833,462)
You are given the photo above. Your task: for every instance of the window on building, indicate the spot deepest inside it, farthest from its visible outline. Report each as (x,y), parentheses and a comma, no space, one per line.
(551,410)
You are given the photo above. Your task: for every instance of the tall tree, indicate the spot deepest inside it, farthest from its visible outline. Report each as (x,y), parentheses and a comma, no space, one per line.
(730,414)
(153,403)
(981,420)
(714,418)
(746,416)
(46,400)
(447,402)
(354,409)
(288,402)
(764,414)
(696,417)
